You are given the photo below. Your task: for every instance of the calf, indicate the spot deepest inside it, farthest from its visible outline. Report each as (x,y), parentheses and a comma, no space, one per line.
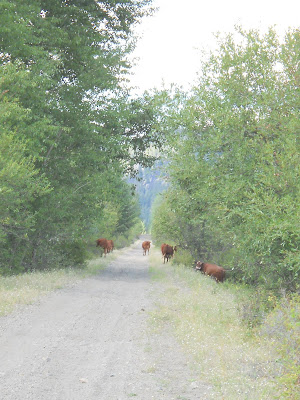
(146,247)
(212,270)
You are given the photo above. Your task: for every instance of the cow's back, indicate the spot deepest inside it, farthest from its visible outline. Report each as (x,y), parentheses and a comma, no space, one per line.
(102,242)
(214,270)
(169,250)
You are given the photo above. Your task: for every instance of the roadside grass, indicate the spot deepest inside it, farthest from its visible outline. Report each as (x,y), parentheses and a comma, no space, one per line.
(204,317)
(26,288)
(22,289)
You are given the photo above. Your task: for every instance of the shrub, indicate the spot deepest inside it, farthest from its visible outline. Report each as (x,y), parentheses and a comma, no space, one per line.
(282,326)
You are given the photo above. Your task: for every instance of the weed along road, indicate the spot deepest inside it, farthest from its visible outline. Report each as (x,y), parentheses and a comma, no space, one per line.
(94,340)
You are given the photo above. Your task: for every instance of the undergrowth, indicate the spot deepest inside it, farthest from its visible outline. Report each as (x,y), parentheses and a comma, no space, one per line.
(211,321)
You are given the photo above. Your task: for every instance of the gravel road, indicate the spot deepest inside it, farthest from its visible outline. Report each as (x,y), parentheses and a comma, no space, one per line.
(93,341)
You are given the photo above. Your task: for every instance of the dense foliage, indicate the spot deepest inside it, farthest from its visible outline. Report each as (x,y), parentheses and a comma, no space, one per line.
(234,161)
(68,129)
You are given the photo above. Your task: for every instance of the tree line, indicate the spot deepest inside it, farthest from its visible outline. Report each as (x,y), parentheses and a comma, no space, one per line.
(70,132)
(69,129)
(233,160)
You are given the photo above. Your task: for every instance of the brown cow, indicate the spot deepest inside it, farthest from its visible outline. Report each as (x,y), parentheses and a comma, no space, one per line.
(110,246)
(146,247)
(162,247)
(167,251)
(212,270)
(102,243)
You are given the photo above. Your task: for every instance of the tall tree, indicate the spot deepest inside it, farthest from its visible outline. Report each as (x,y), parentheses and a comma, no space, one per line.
(63,63)
(235,168)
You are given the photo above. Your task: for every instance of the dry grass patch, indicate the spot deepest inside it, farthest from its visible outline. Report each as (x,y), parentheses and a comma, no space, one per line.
(205,320)
(26,288)
(157,274)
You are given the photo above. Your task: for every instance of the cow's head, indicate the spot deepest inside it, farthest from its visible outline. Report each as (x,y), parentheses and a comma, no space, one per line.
(199,265)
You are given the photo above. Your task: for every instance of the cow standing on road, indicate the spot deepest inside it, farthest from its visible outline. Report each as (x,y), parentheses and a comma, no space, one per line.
(167,251)
(146,247)
(162,247)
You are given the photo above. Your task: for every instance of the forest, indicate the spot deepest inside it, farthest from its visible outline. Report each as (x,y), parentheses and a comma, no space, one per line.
(70,132)
(214,170)
(233,161)
(73,138)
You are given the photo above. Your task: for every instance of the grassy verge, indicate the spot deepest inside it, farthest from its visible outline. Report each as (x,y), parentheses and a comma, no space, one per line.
(206,320)
(26,288)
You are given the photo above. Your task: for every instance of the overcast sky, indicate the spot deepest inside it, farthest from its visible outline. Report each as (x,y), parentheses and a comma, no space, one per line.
(169,48)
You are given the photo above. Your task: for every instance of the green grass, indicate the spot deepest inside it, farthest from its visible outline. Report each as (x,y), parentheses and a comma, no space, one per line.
(205,319)
(26,288)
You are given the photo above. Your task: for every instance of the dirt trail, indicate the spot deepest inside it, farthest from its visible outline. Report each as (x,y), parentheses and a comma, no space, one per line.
(93,341)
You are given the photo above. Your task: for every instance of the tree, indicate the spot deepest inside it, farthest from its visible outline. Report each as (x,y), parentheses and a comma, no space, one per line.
(63,64)
(235,159)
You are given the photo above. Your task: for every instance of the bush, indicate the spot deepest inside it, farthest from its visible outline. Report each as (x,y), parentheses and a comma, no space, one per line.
(75,252)
(254,304)
(282,326)
(184,257)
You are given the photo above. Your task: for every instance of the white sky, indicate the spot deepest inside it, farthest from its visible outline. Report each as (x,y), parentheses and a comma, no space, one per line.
(169,49)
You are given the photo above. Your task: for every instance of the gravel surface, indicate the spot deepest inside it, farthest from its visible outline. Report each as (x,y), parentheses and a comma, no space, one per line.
(93,341)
